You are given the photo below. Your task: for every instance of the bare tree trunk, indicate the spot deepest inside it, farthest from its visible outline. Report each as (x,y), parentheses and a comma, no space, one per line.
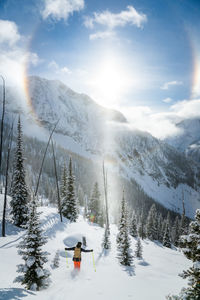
(56,175)
(2,124)
(106,197)
(37,186)
(6,183)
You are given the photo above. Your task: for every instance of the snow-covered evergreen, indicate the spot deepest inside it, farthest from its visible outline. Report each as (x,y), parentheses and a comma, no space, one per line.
(34,275)
(56,260)
(133,226)
(106,244)
(123,240)
(190,245)
(142,226)
(63,186)
(69,205)
(152,226)
(138,250)
(167,233)
(19,202)
(175,232)
(95,211)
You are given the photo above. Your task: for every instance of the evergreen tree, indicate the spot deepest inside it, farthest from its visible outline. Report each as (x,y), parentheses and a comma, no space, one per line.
(166,238)
(55,263)
(152,226)
(138,251)
(123,240)
(34,275)
(106,240)
(63,187)
(190,245)
(69,207)
(19,202)
(142,226)
(133,226)
(160,223)
(95,206)
(175,232)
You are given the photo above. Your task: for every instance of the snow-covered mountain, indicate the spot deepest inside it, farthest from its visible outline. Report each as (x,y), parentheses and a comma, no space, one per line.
(188,141)
(94,132)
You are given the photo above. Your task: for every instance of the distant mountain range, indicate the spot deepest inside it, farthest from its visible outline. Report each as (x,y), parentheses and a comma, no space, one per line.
(161,169)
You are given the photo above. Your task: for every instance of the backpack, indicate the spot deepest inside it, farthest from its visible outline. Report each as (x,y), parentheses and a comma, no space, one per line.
(77,254)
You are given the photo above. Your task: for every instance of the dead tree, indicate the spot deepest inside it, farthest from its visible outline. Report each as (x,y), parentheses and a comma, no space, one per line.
(6,183)
(2,123)
(106,198)
(56,175)
(37,186)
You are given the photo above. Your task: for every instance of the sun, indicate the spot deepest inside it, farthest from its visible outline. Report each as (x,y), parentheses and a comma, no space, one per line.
(110,80)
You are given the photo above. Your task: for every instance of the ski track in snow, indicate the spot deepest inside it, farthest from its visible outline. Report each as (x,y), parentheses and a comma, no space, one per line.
(150,279)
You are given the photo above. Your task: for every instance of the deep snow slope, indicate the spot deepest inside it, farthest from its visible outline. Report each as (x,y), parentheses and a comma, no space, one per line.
(94,132)
(150,279)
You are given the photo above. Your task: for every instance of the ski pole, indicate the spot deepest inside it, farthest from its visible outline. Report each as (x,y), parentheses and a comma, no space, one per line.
(66,259)
(93,261)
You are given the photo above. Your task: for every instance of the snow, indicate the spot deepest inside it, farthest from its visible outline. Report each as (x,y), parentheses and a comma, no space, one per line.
(154,277)
(30,261)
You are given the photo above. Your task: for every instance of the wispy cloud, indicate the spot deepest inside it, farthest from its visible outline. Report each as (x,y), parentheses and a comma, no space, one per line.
(61,9)
(111,21)
(167,100)
(130,16)
(167,85)
(102,35)
(57,69)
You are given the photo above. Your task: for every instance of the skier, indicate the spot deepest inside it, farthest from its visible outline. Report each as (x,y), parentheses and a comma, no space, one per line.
(77,254)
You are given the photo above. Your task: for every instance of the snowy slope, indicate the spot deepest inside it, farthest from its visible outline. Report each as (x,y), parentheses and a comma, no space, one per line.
(152,278)
(94,132)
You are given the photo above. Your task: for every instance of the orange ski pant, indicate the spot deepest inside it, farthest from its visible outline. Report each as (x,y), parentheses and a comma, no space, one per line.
(77,265)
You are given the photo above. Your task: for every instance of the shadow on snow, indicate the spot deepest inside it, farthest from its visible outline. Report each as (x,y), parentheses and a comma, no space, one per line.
(14,293)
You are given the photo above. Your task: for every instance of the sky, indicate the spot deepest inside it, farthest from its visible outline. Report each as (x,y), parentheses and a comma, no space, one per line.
(141,57)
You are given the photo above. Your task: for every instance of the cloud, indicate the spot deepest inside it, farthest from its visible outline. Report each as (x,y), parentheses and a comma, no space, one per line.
(102,35)
(13,56)
(61,9)
(167,100)
(8,33)
(162,124)
(57,69)
(130,16)
(166,85)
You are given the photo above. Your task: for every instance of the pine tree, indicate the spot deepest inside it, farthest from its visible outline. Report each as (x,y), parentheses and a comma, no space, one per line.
(152,226)
(190,245)
(34,275)
(142,226)
(69,207)
(138,251)
(133,226)
(123,240)
(166,238)
(175,232)
(55,263)
(63,187)
(106,244)
(95,207)
(19,202)
(160,223)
